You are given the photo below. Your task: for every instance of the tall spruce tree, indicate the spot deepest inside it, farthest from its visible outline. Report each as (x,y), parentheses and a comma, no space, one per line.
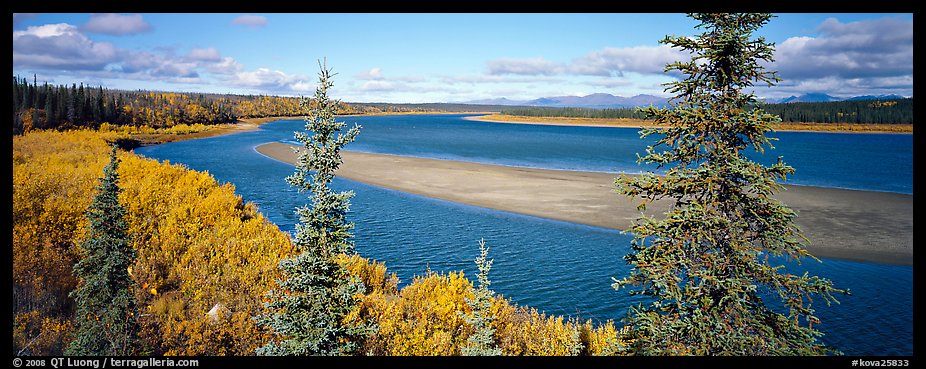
(706,265)
(307,310)
(106,314)
(482,342)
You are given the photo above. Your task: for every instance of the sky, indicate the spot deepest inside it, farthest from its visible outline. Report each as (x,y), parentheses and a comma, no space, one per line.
(414,58)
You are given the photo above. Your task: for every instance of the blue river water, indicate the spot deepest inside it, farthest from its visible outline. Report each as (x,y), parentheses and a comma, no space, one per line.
(558,267)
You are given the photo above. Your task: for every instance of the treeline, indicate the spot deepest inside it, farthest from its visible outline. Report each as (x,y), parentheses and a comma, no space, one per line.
(63,107)
(899,111)
(616,113)
(206,258)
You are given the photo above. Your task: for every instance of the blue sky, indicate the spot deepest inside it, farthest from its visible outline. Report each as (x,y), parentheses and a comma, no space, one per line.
(442,57)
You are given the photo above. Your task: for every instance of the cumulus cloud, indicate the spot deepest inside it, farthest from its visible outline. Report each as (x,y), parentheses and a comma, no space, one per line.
(376,74)
(614,61)
(869,57)
(377,85)
(210,54)
(226,65)
(394,86)
(60,47)
(248,20)
(871,48)
(531,67)
(116,25)
(607,62)
(270,80)
(63,50)
(610,82)
(473,79)
(372,74)
(162,66)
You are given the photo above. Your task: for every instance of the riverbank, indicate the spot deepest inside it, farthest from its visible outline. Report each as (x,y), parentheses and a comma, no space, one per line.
(841,224)
(639,123)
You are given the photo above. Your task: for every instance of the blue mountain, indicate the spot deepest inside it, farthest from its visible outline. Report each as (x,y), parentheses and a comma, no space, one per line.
(878,97)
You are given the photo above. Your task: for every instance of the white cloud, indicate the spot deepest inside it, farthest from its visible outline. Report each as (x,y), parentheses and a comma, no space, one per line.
(116,25)
(473,79)
(372,74)
(610,82)
(248,20)
(302,86)
(871,48)
(227,65)
(60,47)
(210,54)
(63,50)
(530,67)
(607,62)
(613,61)
(269,80)
(377,85)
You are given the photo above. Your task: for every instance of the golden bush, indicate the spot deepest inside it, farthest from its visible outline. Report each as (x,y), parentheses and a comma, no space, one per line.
(201,246)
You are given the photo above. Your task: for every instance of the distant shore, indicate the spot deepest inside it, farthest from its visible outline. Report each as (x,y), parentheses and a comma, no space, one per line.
(841,224)
(639,123)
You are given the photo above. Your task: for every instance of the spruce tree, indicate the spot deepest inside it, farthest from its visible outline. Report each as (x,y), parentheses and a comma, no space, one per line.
(482,342)
(706,265)
(106,313)
(307,311)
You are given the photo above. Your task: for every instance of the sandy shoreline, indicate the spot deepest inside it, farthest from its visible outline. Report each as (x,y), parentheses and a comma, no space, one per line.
(841,224)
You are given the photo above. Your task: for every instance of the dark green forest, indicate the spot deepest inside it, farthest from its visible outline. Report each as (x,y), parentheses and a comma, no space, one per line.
(45,106)
(899,111)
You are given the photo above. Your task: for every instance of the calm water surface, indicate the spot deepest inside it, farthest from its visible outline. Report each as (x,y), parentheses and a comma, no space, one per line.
(558,267)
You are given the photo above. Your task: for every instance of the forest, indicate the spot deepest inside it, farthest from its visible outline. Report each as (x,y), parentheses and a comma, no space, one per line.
(899,111)
(44,106)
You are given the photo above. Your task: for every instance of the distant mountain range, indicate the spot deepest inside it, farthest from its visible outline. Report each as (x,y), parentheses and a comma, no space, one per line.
(598,100)
(604,100)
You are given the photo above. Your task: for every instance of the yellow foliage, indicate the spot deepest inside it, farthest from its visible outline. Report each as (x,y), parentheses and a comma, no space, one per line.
(423,319)
(196,240)
(373,274)
(525,331)
(200,245)
(601,340)
(35,334)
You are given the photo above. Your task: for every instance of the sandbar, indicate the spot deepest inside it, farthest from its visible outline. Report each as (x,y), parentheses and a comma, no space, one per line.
(840,224)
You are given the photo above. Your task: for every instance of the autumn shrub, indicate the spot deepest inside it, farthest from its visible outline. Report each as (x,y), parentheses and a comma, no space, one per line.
(53,178)
(202,249)
(422,319)
(198,245)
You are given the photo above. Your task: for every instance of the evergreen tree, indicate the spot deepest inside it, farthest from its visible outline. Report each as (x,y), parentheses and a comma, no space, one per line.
(105,319)
(307,310)
(482,342)
(706,265)
(72,105)
(50,118)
